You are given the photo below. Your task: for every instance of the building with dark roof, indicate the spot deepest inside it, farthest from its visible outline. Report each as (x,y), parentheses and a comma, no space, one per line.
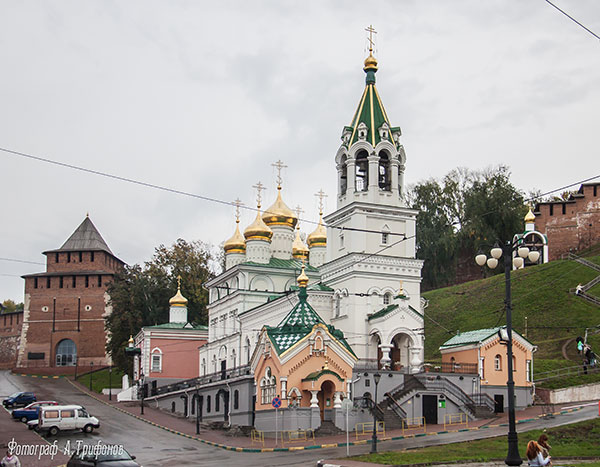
(66,306)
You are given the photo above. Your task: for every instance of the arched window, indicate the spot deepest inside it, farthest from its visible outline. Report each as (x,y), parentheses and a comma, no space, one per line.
(207,404)
(66,353)
(294,397)
(514,363)
(385,235)
(268,387)
(236,399)
(156,360)
(343,176)
(173,407)
(203,365)
(384,172)
(217,402)
(362,171)
(387,298)
(498,363)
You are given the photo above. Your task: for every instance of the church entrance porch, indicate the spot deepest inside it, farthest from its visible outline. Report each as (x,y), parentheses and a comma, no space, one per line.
(325,400)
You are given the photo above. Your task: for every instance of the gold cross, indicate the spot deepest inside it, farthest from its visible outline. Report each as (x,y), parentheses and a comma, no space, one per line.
(237,203)
(321,194)
(259,188)
(371,31)
(299,211)
(279,165)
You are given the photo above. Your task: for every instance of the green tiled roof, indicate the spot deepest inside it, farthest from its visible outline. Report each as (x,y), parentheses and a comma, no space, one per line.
(470,337)
(317,286)
(283,264)
(197,327)
(388,309)
(297,324)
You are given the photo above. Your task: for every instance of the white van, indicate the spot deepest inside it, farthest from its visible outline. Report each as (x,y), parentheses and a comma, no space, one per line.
(55,418)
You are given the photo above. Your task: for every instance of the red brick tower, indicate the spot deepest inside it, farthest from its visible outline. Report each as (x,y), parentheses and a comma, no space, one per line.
(65,307)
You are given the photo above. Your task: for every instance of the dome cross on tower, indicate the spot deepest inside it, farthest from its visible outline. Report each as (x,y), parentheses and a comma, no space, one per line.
(259,189)
(279,165)
(321,195)
(371,31)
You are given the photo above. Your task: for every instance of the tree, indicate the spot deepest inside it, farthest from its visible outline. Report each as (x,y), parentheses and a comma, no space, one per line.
(460,213)
(139,295)
(11,306)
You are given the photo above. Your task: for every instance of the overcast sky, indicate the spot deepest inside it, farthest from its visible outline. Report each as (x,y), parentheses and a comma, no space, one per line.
(204,96)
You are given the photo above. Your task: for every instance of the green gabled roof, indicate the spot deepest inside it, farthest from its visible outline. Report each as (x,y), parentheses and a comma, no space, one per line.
(315,375)
(470,337)
(389,309)
(297,324)
(197,327)
(283,264)
(318,286)
(371,112)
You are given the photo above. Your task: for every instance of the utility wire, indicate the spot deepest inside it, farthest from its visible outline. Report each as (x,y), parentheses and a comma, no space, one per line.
(562,188)
(21,261)
(573,19)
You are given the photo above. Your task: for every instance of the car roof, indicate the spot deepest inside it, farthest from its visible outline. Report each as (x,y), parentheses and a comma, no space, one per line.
(62,407)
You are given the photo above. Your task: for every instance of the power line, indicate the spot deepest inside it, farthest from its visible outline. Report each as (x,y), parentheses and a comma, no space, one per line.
(563,188)
(573,19)
(21,261)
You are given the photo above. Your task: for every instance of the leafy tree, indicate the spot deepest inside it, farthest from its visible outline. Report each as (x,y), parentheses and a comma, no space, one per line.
(459,213)
(11,306)
(139,295)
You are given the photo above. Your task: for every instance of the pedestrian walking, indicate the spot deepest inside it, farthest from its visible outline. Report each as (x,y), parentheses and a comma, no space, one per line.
(544,445)
(535,456)
(10,460)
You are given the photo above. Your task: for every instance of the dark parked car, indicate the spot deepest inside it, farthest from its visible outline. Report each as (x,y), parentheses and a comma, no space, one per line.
(119,457)
(31,411)
(19,399)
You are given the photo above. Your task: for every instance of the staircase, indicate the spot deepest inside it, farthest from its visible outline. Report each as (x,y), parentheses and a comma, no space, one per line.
(327,428)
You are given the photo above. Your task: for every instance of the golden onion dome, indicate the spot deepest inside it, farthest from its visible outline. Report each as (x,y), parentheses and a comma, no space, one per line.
(319,236)
(236,244)
(178,299)
(302,278)
(279,213)
(258,230)
(370,63)
(299,249)
(530,217)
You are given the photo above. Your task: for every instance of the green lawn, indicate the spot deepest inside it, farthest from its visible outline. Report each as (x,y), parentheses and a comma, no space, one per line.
(575,440)
(100,379)
(540,293)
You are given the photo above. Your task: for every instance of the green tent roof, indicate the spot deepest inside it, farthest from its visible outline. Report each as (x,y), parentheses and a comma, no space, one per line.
(474,337)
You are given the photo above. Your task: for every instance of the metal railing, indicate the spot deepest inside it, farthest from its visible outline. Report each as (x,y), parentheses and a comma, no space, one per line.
(396,408)
(202,380)
(411,383)
(562,372)
(449,367)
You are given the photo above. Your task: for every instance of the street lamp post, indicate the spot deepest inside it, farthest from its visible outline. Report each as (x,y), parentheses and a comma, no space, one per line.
(376,377)
(91,371)
(513,457)
(142,393)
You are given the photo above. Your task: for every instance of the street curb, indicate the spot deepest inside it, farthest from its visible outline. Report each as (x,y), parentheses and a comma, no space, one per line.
(301,448)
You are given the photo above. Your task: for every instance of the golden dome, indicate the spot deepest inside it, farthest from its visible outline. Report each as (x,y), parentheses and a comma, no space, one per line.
(319,236)
(236,244)
(370,63)
(279,213)
(530,217)
(299,249)
(178,299)
(302,278)
(258,230)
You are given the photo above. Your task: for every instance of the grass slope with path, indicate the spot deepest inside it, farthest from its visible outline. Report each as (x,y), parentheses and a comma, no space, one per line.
(567,441)
(540,293)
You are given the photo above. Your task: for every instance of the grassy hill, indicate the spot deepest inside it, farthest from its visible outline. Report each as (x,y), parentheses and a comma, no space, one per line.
(540,293)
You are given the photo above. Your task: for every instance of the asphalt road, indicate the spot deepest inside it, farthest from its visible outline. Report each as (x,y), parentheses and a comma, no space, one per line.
(153,446)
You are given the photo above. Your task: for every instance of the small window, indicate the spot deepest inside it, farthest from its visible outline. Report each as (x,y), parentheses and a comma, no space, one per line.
(80,257)
(193,406)
(387,298)
(87,281)
(99,281)
(81,413)
(92,256)
(47,282)
(74,282)
(514,363)
(564,208)
(35,282)
(384,238)
(68,257)
(172,407)
(60,282)
(341,240)
(67,413)
(51,414)
(208,404)
(367,383)
(217,403)
(552,209)
(236,399)
(156,362)
(498,363)
(57,257)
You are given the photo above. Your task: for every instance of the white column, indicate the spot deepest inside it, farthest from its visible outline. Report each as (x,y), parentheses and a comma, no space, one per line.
(385,355)
(394,176)
(415,359)
(337,400)
(373,172)
(401,179)
(351,175)
(314,401)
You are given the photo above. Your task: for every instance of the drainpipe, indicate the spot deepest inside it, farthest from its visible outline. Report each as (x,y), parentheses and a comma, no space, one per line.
(352,386)
(229,411)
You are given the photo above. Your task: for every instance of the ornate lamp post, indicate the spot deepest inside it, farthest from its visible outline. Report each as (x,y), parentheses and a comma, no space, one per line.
(506,251)
(376,377)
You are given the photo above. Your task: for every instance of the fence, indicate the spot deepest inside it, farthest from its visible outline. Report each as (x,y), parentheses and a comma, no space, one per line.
(293,436)
(414,424)
(258,437)
(366,428)
(456,419)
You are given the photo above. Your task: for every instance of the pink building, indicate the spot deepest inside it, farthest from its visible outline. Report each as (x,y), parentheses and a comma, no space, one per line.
(169,352)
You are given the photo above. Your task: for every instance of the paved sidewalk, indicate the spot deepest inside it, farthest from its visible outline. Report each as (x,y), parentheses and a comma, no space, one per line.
(186,427)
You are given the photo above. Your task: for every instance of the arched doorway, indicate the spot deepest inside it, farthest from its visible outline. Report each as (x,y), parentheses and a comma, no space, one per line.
(325,397)
(66,353)
(375,353)
(400,354)
(224,397)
